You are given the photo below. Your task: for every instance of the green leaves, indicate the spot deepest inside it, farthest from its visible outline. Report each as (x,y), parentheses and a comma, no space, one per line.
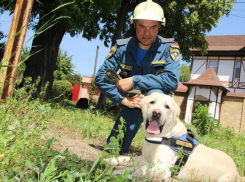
(64,66)
(184,73)
(28,164)
(203,120)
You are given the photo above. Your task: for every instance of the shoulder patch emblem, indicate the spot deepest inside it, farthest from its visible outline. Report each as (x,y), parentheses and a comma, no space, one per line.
(175,54)
(112,51)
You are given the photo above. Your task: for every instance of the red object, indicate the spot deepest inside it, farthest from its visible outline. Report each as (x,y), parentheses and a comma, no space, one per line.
(75,92)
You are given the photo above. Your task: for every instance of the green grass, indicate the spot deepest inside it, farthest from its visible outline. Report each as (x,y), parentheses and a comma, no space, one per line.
(26,153)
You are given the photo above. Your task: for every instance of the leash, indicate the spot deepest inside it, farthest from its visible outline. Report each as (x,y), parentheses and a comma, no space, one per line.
(113,77)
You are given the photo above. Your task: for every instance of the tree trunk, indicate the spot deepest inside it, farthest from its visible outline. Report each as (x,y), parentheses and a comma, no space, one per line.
(120,20)
(43,57)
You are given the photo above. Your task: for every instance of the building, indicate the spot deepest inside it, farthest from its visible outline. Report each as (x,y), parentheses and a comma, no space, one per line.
(218,80)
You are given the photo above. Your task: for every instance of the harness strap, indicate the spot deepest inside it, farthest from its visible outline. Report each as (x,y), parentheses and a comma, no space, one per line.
(174,143)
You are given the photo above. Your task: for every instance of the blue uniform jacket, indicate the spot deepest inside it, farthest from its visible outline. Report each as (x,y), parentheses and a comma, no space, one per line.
(158,70)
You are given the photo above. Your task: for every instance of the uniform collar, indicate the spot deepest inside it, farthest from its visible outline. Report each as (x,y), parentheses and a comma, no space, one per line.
(154,47)
(134,46)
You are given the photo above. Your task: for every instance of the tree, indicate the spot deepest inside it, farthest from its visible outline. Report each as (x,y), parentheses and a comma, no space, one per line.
(74,78)
(184,73)
(51,20)
(64,66)
(187,21)
(64,69)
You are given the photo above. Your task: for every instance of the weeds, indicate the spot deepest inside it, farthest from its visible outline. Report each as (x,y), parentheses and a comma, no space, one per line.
(26,154)
(203,120)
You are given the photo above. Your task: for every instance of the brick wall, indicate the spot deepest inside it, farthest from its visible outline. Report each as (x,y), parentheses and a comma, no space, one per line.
(181,99)
(232,113)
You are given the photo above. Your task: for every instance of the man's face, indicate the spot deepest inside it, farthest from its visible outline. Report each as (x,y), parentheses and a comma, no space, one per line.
(146,32)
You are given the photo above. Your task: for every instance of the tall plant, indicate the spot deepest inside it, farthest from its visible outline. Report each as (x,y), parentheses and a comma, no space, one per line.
(203,120)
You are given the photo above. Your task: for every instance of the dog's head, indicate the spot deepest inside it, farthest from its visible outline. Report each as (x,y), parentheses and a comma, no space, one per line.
(160,114)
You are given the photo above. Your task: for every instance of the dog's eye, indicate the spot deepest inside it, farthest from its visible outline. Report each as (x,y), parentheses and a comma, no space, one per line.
(167,106)
(152,102)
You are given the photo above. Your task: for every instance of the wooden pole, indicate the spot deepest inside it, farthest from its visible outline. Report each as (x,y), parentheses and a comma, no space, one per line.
(14,46)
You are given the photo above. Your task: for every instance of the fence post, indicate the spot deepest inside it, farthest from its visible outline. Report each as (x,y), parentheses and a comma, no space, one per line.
(14,46)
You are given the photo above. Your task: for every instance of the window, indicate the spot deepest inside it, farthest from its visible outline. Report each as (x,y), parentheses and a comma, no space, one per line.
(237,70)
(214,64)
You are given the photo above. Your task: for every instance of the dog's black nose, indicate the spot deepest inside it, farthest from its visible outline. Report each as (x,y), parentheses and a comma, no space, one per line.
(156,114)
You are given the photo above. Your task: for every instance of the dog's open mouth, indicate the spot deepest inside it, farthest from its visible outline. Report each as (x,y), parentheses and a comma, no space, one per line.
(153,127)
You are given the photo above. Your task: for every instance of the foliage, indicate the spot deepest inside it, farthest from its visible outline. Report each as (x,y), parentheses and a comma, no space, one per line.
(64,66)
(61,89)
(203,120)
(184,73)
(29,88)
(115,143)
(74,78)
(27,154)
(187,22)
(21,126)
(2,45)
(22,67)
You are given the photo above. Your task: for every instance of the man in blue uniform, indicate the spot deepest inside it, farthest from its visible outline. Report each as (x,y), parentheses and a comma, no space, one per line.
(152,65)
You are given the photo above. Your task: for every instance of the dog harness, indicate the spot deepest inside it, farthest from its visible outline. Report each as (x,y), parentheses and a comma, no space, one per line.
(187,142)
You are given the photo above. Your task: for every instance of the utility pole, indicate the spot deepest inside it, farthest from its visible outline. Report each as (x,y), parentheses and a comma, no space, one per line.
(95,64)
(14,46)
(102,98)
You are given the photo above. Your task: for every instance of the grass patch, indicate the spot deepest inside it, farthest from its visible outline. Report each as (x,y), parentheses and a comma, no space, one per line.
(26,153)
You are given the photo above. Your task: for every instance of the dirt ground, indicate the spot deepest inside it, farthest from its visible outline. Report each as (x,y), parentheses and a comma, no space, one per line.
(76,144)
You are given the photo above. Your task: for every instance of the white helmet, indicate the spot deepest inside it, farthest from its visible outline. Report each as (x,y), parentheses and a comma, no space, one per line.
(148,11)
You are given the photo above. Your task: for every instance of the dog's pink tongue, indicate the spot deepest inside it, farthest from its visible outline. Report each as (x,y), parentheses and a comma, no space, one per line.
(153,128)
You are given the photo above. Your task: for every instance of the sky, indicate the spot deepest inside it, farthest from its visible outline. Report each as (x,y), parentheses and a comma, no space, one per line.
(83,52)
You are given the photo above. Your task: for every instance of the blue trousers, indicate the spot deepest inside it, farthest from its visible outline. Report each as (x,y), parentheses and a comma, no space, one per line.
(133,119)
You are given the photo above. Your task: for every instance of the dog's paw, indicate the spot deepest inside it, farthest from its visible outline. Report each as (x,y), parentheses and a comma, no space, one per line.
(112,161)
(120,161)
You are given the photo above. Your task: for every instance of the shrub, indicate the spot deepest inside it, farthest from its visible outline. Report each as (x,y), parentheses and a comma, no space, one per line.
(203,120)
(61,89)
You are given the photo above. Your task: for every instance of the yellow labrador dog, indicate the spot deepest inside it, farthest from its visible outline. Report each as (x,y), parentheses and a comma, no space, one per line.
(160,120)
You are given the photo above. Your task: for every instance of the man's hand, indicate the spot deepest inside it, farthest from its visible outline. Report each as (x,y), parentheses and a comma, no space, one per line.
(125,84)
(133,102)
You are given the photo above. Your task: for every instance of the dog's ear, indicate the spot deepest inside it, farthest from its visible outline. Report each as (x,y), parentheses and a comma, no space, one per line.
(143,104)
(176,109)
